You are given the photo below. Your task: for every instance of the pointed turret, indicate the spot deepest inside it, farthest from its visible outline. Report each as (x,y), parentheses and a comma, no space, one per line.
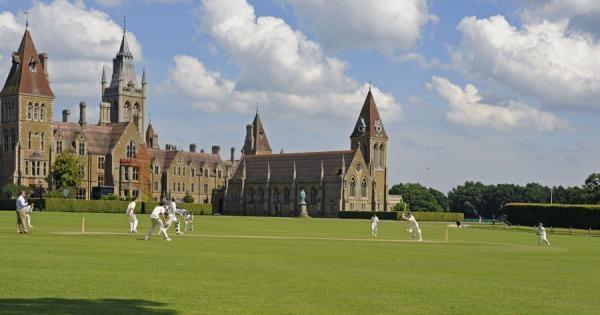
(152,137)
(369,122)
(123,68)
(28,72)
(144,82)
(256,138)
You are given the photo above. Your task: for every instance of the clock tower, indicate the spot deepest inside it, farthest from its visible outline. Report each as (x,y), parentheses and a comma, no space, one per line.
(370,137)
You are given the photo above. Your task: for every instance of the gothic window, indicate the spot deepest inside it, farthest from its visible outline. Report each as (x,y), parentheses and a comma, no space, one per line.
(36,110)
(363,188)
(38,164)
(352,187)
(206,188)
(261,196)
(206,172)
(42,141)
(286,196)
(59,147)
(219,173)
(5,140)
(131,150)
(251,195)
(155,186)
(13,139)
(312,196)
(184,171)
(174,186)
(29,140)
(183,187)
(193,187)
(136,173)
(156,170)
(174,171)
(26,167)
(81,148)
(29,111)
(276,195)
(375,156)
(45,169)
(43,112)
(193,171)
(179,170)
(126,111)
(178,186)
(381,156)
(100,162)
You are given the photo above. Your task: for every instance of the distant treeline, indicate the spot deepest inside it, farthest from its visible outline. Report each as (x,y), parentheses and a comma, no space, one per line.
(477,199)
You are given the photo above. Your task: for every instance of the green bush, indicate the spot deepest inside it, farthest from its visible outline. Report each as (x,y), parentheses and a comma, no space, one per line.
(557,215)
(75,205)
(109,197)
(439,216)
(390,215)
(195,208)
(12,191)
(188,198)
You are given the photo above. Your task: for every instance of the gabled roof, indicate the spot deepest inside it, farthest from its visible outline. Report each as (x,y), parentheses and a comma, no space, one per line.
(281,166)
(27,73)
(99,139)
(166,158)
(370,115)
(260,142)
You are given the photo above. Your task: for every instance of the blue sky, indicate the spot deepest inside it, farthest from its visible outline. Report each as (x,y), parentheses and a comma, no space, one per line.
(488,90)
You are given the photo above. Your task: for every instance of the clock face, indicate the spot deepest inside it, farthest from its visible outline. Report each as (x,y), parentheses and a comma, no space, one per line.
(378,126)
(362,126)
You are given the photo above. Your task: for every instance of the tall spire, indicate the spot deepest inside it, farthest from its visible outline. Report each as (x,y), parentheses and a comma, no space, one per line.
(144,82)
(103,82)
(369,122)
(123,67)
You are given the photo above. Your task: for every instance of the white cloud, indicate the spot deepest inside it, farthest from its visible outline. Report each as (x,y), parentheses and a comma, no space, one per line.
(278,67)
(384,25)
(78,40)
(466,108)
(116,3)
(543,60)
(562,8)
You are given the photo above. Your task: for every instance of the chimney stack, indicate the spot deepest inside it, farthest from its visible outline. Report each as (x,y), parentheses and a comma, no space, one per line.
(65,115)
(193,147)
(82,116)
(249,141)
(216,149)
(232,154)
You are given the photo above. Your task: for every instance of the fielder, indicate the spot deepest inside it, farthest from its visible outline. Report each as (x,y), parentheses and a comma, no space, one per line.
(374,222)
(133,221)
(22,209)
(28,211)
(157,218)
(413,229)
(187,217)
(171,217)
(541,232)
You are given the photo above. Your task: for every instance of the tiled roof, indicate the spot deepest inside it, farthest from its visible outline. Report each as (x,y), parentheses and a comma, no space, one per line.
(99,139)
(308,164)
(27,72)
(167,157)
(370,114)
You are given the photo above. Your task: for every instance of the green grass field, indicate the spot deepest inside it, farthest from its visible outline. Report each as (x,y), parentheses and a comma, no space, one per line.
(250,265)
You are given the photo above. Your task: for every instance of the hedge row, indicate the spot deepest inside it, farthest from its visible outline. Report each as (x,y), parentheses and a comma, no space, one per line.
(557,215)
(397,215)
(390,215)
(100,206)
(439,216)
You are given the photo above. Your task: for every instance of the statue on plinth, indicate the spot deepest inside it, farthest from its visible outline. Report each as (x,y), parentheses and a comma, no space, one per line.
(302,204)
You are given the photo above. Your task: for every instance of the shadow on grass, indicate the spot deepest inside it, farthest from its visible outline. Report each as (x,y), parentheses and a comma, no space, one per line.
(55,306)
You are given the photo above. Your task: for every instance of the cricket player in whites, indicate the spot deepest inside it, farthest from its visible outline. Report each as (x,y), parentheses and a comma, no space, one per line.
(541,232)
(187,217)
(133,221)
(157,218)
(374,223)
(171,217)
(413,229)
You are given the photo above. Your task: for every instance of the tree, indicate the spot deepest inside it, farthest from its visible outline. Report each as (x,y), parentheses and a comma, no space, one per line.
(66,171)
(467,198)
(440,197)
(418,197)
(592,188)
(12,191)
(188,198)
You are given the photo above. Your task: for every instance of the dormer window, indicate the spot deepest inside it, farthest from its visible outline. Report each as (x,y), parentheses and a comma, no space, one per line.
(32,64)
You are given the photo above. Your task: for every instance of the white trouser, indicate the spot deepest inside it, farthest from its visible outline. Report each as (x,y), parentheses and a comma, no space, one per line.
(543,239)
(133,222)
(189,220)
(170,219)
(415,233)
(161,229)
(373,229)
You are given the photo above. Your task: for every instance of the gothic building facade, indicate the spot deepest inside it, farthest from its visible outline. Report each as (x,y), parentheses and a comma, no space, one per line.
(108,151)
(268,184)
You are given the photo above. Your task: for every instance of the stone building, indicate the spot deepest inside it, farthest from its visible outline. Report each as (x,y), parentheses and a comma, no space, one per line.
(108,151)
(268,184)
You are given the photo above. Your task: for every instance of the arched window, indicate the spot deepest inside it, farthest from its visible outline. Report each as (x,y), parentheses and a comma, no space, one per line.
(13,139)
(29,111)
(363,188)
(375,156)
(36,110)
(126,109)
(352,187)
(206,172)
(29,140)
(312,196)
(59,147)
(81,148)
(42,141)
(193,172)
(276,195)
(381,156)
(6,143)
(261,196)
(286,196)
(251,195)
(131,151)
(43,112)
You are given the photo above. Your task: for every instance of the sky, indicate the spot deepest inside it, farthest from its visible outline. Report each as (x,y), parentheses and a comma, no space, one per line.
(482,90)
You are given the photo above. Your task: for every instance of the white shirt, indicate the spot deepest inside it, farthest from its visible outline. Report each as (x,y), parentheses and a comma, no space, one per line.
(130,208)
(374,220)
(413,222)
(542,231)
(172,207)
(157,212)
(21,203)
